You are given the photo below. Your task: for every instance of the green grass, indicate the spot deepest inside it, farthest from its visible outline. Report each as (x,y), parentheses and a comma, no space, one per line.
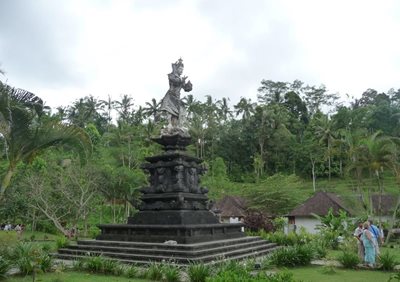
(74,277)
(305,274)
(9,238)
(316,274)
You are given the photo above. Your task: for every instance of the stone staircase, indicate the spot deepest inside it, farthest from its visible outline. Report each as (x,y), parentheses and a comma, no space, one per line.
(181,254)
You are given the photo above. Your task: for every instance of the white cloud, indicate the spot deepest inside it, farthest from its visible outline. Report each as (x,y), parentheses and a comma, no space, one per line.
(126,47)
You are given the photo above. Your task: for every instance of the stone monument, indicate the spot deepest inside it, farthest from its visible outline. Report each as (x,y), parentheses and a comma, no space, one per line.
(174,222)
(174,205)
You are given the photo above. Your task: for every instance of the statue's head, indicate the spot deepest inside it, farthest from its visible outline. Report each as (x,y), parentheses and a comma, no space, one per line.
(177,67)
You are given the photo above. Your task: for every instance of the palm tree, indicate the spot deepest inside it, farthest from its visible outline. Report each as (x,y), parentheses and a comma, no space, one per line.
(378,155)
(223,110)
(326,136)
(27,134)
(108,105)
(244,107)
(124,107)
(152,109)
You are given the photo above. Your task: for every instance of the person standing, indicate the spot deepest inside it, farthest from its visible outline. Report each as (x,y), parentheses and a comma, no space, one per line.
(357,234)
(369,245)
(19,230)
(376,236)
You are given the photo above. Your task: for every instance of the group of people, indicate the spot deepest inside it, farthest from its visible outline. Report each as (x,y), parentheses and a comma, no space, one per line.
(19,228)
(369,237)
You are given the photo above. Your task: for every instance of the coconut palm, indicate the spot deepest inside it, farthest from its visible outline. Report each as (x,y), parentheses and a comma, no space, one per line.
(378,156)
(244,107)
(124,108)
(152,109)
(223,109)
(27,134)
(326,136)
(107,106)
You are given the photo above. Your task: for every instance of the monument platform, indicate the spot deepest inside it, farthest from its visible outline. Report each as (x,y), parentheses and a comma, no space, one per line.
(181,254)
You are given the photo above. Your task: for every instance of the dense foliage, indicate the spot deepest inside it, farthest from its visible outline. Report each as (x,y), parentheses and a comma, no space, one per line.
(264,151)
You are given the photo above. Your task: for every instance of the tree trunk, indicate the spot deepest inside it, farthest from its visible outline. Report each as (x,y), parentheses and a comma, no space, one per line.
(380,196)
(313,173)
(7,179)
(329,162)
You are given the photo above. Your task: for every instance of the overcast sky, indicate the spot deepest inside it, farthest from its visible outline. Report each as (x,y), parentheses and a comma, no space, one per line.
(63,50)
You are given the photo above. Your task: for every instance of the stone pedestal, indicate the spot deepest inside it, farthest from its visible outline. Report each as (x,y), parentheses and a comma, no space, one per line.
(174,205)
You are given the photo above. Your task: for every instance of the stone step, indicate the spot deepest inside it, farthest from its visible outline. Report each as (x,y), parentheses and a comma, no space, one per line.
(170,251)
(177,257)
(185,263)
(144,245)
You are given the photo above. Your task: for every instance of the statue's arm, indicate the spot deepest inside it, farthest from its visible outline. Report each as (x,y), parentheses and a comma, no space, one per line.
(174,79)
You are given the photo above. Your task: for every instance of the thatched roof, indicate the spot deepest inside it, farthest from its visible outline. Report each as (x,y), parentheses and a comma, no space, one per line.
(387,205)
(230,206)
(319,204)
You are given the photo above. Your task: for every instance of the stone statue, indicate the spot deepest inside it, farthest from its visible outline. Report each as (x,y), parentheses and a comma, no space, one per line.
(172,104)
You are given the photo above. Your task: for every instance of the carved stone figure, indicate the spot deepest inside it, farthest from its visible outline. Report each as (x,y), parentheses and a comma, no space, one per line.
(172,104)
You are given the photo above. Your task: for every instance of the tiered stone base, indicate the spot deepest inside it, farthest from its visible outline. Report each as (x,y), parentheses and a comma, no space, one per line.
(182,234)
(181,254)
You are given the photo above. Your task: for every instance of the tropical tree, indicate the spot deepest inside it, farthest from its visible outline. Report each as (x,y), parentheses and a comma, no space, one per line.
(107,106)
(378,151)
(27,133)
(245,107)
(272,92)
(223,109)
(124,107)
(152,109)
(326,136)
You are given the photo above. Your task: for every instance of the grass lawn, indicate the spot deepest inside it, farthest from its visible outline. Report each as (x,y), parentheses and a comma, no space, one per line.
(74,277)
(9,238)
(316,274)
(305,274)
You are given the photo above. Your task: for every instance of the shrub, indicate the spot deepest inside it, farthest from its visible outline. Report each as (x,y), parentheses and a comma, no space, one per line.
(330,238)
(394,277)
(320,248)
(303,237)
(230,275)
(293,255)
(132,272)
(93,231)
(283,276)
(349,259)
(387,261)
(94,264)
(79,264)
(198,272)
(109,266)
(154,272)
(45,262)
(231,271)
(119,270)
(46,248)
(4,267)
(30,258)
(280,238)
(62,242)
(171,273)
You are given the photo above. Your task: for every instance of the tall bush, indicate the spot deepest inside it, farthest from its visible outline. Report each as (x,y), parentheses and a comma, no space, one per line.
(4,267)
(293,256)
